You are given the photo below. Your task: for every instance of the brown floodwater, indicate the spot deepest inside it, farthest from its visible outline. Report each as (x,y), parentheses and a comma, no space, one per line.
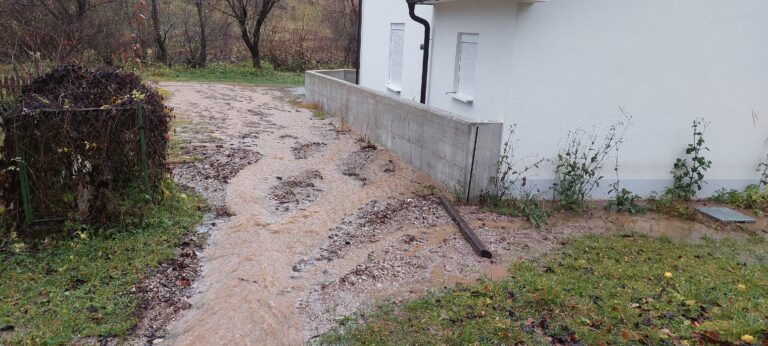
(251,292)
(247,294)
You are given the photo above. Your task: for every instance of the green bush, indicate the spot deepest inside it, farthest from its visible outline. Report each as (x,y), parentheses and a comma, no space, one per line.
(751,198)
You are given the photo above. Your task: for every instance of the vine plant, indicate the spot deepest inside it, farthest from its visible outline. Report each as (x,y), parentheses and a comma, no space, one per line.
(688,172)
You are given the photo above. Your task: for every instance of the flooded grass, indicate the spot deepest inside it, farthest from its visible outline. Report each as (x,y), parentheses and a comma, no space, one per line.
(80,288)
(598,290)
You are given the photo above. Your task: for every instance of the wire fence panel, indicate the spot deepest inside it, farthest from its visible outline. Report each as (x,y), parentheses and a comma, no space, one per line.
(72,164)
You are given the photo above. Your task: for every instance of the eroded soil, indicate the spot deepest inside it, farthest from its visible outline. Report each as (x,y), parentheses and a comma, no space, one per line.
(308,243)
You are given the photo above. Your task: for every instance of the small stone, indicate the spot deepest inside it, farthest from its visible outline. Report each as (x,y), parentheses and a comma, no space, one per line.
(157,341)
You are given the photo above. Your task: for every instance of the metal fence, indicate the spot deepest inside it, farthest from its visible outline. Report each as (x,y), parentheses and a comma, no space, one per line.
(71,163)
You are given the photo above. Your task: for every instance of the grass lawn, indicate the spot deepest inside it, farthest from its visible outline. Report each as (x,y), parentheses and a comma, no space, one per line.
(82,287)
(220,72)
(598,290)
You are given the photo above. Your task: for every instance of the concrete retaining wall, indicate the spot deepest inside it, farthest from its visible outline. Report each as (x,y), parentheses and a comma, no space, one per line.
(455,151)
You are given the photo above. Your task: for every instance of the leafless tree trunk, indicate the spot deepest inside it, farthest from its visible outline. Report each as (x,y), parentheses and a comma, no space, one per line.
(201,60)
(159,38)
(250,16)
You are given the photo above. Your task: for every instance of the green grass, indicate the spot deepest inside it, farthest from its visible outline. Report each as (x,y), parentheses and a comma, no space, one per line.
(82,287)
(220,72)
(597,290)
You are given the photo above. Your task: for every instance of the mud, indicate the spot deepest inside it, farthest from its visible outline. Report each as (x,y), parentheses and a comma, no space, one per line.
(165,292)
(302,151)
(296,191)
(308,243)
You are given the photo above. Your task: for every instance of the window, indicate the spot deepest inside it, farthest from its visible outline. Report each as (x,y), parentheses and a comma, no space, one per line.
(466,67)
(396,42)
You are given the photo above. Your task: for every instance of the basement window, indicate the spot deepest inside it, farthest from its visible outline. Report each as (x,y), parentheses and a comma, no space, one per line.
(466,67)
(396,49)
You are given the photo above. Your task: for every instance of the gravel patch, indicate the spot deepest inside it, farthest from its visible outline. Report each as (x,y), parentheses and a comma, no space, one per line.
(373,222)
(296,191)
(354,165)
(303,151)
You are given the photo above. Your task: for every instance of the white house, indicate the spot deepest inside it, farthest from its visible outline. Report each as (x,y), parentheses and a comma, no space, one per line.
(552,66)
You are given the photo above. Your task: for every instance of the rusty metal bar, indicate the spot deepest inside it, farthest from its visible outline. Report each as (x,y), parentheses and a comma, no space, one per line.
(466,231)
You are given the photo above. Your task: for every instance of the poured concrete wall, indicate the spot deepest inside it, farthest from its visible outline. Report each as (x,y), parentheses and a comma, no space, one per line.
(455,151)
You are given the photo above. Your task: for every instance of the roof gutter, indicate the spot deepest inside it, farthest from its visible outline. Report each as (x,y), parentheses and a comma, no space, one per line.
(359,40)
(425,60)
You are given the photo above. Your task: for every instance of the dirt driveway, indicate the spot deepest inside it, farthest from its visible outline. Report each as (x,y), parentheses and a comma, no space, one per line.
(315,223)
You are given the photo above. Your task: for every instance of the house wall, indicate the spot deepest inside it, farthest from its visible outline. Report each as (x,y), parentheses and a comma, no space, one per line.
(555,66)
(378,15)
(493,20)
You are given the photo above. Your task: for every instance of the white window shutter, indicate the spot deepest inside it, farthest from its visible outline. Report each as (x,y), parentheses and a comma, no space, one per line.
(467,69)
(396,51)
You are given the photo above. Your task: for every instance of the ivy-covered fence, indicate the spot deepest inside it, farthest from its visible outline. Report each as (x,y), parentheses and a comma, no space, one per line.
(79,145)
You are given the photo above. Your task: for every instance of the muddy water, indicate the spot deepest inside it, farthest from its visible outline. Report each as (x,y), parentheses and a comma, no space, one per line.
(248,291)
(310,242)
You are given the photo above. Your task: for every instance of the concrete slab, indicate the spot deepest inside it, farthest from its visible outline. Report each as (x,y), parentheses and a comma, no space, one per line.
(727,215)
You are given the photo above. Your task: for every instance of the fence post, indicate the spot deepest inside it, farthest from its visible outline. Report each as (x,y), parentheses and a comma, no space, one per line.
(23,177)
(144,163)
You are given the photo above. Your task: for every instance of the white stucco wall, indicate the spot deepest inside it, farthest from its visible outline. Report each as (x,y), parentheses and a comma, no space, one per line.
(378,15)
(559,65)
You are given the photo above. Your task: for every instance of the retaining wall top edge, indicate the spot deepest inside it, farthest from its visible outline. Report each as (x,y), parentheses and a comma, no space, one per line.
(454,116)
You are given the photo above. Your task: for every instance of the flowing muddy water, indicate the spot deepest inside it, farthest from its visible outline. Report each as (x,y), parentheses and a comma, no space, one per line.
(321,224)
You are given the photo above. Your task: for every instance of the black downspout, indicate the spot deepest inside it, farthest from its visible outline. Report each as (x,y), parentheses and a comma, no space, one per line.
(425,62)
(359,40)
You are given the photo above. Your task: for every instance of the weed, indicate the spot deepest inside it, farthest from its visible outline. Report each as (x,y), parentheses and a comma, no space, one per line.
(459,192)
(510,172)
(753,197)
(670,205)
(510,196)
(762,167)
(579,165)
(526,205)
(425,190)
(624,201)
(688,172)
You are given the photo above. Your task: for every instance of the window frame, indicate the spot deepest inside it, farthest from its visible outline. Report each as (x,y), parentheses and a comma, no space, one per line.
(462,38)
(392,83)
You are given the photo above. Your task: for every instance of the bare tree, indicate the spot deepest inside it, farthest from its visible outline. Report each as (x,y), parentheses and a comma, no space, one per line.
(250,16)
(159,37)
(203,54)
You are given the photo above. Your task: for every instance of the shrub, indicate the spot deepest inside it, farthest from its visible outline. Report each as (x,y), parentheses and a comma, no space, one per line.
(75,133)
(579,165)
